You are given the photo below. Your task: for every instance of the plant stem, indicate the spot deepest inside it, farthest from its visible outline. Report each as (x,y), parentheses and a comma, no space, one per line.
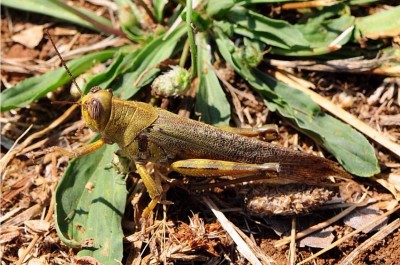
(184,55)
(192,43)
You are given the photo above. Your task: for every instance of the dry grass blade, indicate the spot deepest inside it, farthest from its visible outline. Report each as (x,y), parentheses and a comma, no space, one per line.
(4,160)
(352,65)
(8,215)
(346,237)
(265,259)
(49,215)
(242,247)
(341,113)
(24,216)
(292,252)
(110,41)
(309,4)
(13,152)
(384,232)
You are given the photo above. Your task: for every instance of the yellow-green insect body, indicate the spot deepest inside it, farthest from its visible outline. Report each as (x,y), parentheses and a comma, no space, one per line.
(148,134)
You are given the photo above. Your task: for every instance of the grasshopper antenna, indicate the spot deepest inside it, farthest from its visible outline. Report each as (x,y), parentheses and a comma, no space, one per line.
(63,62)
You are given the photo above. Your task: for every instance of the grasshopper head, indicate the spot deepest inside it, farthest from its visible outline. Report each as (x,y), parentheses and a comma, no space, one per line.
(96,108)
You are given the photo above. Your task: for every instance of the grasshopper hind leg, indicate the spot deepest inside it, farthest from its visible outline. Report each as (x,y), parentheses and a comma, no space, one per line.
(218,168)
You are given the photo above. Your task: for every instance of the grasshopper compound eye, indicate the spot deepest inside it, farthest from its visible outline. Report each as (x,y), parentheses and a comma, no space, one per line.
(96,108)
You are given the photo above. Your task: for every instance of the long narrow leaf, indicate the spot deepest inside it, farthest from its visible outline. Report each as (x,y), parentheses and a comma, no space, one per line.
(275,32)
(31,89)
(211,101)
(144,65)
(53,9)
(320,30)
(349,147)
(379,25)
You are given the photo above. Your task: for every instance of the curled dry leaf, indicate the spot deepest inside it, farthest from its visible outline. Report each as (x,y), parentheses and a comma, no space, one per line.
(38,261)
(8,233)
(392,183)
(198,235)
(394,179)
(29,37)
(361,216)
(37,226)
(320,239)
(351,192)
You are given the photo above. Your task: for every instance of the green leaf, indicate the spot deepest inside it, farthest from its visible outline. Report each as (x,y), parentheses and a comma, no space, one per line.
(218,8)
(143,65)
(274,32)
(211,101)
(320,30)
(90,203)
(129,17)
(159,6)
(382,24)
(360,2)
(247,2)
(134,68)
(34,88)
(121,61)
(349,147)
(54,9)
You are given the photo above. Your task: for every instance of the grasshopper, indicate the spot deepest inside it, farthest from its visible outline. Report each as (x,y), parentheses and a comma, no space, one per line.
(149,134)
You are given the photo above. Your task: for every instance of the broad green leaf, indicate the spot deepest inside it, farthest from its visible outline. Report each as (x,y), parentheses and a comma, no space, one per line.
(379,25)
(53,9)
(277,33)
(320,31)
(211,101)
(34,88)
(349,147)
(90,203)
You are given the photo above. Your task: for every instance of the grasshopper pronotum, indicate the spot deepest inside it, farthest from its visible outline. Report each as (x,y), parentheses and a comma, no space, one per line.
(148,134)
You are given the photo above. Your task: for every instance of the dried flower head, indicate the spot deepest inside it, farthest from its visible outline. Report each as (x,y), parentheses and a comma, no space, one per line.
(286,200)
(251,56)
(172,83)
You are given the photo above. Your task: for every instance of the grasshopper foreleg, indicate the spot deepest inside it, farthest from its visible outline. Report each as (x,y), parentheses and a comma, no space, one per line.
(84,150)
(155,190)
(218,168)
